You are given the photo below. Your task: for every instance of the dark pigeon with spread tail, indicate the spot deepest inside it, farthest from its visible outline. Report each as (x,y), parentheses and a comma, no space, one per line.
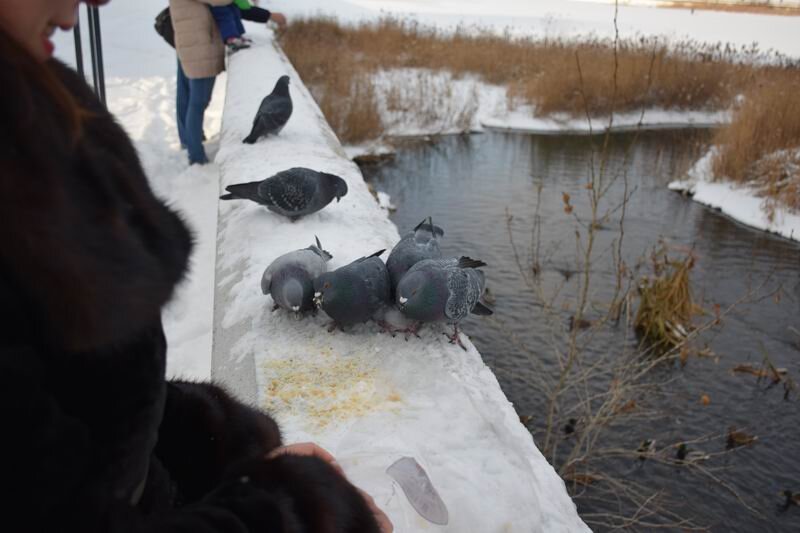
(416,245)
(443,290)
(273,113)
(354,293)
(289,279)
(293,193)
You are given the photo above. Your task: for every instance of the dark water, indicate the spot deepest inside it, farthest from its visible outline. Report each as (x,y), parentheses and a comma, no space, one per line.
(467,183)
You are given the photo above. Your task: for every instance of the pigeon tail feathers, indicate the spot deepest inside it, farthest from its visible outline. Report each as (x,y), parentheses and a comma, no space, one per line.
(243,191)
(482,310)
(466,262)
(428,226)
(252,138)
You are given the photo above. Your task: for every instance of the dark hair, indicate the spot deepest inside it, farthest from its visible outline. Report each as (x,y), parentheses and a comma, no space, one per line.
(29,73)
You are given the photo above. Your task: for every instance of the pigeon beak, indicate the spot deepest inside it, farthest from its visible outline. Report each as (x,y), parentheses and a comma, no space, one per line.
(295,308)
(402,301)
(318,299)
(338,199)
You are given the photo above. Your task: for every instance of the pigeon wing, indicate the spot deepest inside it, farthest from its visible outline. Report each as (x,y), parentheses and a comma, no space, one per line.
(274,111)
(291,193)
(464,288)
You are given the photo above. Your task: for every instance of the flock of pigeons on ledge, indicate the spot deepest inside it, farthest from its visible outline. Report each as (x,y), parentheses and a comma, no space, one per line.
(415,280)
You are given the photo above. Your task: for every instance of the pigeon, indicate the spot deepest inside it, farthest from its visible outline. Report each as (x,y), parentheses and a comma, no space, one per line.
(273,113)
(415,246)
(442,290)
(290,278)
(354,293)
(293,193)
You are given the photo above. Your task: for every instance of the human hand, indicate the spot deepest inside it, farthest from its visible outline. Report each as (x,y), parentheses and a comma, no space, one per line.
(382,518)
(278,18)
(309,448)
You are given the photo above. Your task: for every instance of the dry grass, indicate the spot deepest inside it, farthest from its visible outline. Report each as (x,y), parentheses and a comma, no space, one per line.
(666,306)
(336,60)
(739,7)
(761,145)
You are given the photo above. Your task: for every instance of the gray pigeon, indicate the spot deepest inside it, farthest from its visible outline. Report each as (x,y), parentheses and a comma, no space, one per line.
(290,278)
(442,290)
(415,246)
(354,293)
(273,113)
(293,193)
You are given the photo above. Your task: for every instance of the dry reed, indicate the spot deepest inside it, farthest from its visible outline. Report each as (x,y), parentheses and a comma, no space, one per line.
(763,7)
(542,73)
(666,306)
(761,146)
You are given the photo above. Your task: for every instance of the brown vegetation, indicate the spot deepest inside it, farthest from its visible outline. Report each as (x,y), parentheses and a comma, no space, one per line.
(738,7)
(761,146)
(558,75)
(666,306)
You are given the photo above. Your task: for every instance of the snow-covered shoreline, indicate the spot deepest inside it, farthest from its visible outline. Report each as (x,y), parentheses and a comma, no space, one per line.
(523,121)
(368,397)
(740,203)
(415,102)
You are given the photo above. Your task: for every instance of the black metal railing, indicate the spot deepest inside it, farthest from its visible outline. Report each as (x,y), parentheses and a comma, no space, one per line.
(96,50)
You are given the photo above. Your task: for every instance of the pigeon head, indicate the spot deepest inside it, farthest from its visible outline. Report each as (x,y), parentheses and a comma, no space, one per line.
(323,287)
(317,249)
(282,86)
(334,294)
(422,295)
(338,184)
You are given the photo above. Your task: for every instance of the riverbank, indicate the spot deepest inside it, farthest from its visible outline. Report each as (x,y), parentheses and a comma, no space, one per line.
(740,202)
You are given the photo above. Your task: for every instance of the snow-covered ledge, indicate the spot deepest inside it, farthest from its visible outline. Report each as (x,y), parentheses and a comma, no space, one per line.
(367,397)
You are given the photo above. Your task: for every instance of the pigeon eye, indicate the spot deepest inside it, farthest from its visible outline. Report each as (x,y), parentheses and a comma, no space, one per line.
(327,285)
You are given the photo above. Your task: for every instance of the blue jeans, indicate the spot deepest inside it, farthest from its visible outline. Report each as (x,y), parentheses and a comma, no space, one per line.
(229,21)
(193,98)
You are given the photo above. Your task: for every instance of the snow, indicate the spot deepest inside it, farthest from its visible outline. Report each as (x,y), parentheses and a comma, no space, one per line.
(565,18)
(740,203)
(385,201)
(522,120)
(367,397)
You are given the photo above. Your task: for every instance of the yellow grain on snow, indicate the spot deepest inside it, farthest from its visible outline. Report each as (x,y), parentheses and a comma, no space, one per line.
(325,387)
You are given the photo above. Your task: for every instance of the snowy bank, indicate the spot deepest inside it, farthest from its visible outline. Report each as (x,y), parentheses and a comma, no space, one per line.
(522,120)
(368,397)
(741,203)
(418,102)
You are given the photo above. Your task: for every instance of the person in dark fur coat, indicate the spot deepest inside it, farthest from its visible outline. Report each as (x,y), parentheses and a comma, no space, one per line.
(94,439)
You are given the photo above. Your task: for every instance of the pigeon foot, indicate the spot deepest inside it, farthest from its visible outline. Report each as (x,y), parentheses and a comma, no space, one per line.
(387,328)
(413,329)
(455,338)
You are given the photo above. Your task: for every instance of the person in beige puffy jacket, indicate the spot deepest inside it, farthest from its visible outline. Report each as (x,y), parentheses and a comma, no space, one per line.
(201,56)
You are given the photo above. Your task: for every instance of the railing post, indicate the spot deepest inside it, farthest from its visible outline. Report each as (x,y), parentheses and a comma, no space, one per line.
(78,48)
(96,44)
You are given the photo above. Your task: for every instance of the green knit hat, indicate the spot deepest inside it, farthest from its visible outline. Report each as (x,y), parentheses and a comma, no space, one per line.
(244,5)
